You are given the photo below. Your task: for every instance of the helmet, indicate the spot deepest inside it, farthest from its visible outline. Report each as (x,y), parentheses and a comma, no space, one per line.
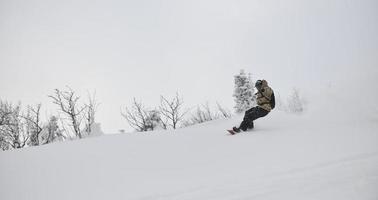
(258,84)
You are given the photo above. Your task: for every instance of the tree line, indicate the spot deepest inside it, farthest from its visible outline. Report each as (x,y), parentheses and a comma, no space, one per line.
(21,127)
(170,114)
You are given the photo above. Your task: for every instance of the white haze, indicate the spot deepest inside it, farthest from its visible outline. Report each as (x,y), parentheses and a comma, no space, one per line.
(142,49)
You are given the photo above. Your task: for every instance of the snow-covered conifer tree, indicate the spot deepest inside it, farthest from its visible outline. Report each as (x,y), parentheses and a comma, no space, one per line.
(295,102)
(244,92)
(52,132)
(154,120)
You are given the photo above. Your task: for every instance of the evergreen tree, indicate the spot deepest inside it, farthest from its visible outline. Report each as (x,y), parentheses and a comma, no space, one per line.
(154,120)
(244,92)
(52,132)
(295,103)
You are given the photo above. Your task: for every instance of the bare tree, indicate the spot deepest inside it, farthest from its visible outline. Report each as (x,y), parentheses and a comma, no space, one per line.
(66,134)
(33,124)
(90,112)
(171,110)
(137,116)
(203,113)
(3,143)
(68,104)
(163,121)
(12,128)
(223,111)
(5,111)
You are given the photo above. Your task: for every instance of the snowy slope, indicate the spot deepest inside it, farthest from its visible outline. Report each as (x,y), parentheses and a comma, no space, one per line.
(285,157)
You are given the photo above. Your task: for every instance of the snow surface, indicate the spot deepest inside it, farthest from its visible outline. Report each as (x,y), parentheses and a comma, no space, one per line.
(287,156)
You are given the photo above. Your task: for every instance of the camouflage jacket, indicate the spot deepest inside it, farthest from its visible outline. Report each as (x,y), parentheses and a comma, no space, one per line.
(264,95)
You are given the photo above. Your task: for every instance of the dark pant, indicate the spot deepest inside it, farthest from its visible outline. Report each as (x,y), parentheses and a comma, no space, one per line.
(251,115)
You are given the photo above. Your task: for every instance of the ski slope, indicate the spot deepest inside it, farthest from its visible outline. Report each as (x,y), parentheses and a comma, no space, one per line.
(286,157)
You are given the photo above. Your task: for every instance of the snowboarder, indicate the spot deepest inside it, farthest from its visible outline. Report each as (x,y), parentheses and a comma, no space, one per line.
(265,103)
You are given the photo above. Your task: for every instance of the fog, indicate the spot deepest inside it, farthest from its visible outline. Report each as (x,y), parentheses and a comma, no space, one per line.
(144,49)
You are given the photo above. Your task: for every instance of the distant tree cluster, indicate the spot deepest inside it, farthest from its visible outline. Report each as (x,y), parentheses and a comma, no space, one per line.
(79,117)
(293,104)
(24,127)
(170,114)
(204,113)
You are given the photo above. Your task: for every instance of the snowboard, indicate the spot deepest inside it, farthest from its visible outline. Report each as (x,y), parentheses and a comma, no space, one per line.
(232,132)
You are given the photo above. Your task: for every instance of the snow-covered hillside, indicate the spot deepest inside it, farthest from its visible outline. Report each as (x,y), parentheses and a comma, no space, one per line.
(308,156)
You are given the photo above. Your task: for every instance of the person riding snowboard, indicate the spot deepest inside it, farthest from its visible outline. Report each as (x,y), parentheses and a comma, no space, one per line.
(265,103)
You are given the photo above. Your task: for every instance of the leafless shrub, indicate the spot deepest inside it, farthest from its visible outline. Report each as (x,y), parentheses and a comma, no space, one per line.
(204,113)
(223,111)
(172,110)
(69,106)
(137,116)
(90,112)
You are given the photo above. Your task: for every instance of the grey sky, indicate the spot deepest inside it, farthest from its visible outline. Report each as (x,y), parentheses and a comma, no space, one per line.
(126,49)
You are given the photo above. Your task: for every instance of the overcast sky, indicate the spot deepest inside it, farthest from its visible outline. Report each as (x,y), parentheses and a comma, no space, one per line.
(145,48)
